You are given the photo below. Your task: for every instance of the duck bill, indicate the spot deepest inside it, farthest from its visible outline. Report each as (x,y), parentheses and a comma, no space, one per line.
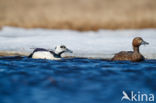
(68,50)
(144,43)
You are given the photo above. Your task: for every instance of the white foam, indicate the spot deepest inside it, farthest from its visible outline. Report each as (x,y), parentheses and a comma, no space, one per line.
(103,43)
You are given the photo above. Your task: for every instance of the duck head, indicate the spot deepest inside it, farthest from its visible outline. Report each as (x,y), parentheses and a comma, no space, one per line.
(61,49)
(137,41)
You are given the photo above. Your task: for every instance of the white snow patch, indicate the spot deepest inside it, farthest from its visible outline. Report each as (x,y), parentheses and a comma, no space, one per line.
(99,44)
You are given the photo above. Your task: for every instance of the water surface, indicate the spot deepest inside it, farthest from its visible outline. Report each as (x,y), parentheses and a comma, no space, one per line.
(25,80)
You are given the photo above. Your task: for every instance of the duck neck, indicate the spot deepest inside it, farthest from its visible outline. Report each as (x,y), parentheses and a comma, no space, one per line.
(59,53)
(136,49)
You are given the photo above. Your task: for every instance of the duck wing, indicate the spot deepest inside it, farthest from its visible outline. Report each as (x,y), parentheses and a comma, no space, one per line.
(36,50)
(40,49)
(123,55)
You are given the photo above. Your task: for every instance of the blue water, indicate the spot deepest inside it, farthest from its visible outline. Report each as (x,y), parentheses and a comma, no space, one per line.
(25,80)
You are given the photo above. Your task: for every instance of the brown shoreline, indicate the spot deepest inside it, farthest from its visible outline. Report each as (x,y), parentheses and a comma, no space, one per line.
(16,53)
(78,14)
(13,53)
(105,57)
(81,28)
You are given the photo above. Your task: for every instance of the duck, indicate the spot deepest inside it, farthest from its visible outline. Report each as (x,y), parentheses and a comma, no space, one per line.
(135,55)
(41,53)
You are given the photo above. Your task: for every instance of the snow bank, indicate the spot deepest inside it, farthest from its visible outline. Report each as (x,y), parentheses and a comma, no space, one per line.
(99,44)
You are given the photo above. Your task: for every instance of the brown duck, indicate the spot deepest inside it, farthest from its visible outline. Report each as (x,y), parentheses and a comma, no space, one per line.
(134,55)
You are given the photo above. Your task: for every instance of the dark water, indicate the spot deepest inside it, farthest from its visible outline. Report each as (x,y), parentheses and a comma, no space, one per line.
(24,80)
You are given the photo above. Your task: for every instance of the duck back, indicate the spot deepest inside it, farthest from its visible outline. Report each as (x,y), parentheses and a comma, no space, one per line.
(123,55)
(129,56)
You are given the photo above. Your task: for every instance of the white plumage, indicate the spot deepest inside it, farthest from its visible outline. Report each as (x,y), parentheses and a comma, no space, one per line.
(44,55)
(40,53)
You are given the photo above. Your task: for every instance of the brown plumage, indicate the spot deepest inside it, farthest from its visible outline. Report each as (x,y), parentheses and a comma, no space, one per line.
(134,55)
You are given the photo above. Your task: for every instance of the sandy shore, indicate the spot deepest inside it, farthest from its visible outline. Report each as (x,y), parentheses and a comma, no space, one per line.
(78,14)
(13,53)
(91,56)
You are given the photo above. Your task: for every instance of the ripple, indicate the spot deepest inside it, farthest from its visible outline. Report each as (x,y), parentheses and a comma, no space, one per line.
(77,79)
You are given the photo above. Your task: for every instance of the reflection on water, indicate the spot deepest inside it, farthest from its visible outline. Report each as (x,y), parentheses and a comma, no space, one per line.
(24,80)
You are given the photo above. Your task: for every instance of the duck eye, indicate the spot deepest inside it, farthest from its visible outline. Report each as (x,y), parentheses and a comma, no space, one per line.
(62,47)
(140,41)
